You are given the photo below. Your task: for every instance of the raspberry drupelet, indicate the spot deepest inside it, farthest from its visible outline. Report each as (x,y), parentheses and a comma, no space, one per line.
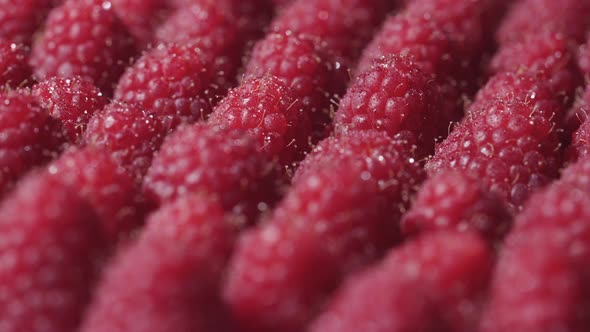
(509,142)
(71,101)
(19,20)
(128,132)
(446,273)
(216,160)
(53,243)
(169,278)
(452,200)
(336,218)
(268,110)
(393,96)
(105,186)
(14,67)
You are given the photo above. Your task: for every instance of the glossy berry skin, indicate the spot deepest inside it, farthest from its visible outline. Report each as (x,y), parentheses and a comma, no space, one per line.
(131,134)
(432,283)
(215,160)
(393,96)
(105,186)
(142,17)
(83,38)
(268,110)
(452,200)
(314,76)
(53,242)
(169,278)
(71,101)
(27,137)
(334,220)
(14,67)
(19,20)
(509,143)
(176,82)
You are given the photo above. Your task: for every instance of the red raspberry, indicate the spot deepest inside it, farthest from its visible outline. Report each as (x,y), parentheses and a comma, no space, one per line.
(51,244)
(580,145)
(20,19)
(175,82)
(314,77)
(392,96)
(221,161)
(26,137)
(584,58)
(169,279)
(451,200)
(14,67)
(569,17)
(510,143)
(71,101)
(335,219)
(99,180)
(448,270)
(343,27)
(128,132)
(142,17)
(271,113)
(549,53)
(85,38)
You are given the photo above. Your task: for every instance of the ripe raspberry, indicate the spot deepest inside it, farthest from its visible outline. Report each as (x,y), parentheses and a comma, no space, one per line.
(549,53)
(511,144)
(175,82)
(26,137)
(50,244)
(335,219)
(142,17)
(343,27)
(569,17)
(85,38)
(169,279)
(99,180)
(71,101)
(19,20)
(221,161)
(584,58)
(128,132)
(271,113)
(448,270)
(14,68)
(392,96)
(314,77)
(580,145)
(451,200)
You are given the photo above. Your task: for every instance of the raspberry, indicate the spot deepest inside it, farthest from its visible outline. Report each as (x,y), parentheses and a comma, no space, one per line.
(580,145)
(549,53)
(335,219)
(85,38)
(271,113)
(392,96)
(51,244)
(167,280)
(221,161)
(451,200)
(177,82)
(131,134)
(71,101)
(569,17)
(343,27)
(448,272)
(313,76)
(142,17)
(584,58)
(26,137)
(510,143)
(19,20)
(14,68)
(99,180)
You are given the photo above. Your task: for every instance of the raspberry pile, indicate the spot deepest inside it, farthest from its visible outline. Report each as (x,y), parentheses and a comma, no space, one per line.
(294,165)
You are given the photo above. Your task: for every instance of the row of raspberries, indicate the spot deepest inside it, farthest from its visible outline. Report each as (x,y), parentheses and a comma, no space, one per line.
(294,165)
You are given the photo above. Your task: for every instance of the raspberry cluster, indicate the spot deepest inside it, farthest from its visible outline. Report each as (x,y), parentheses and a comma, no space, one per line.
(294,165)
